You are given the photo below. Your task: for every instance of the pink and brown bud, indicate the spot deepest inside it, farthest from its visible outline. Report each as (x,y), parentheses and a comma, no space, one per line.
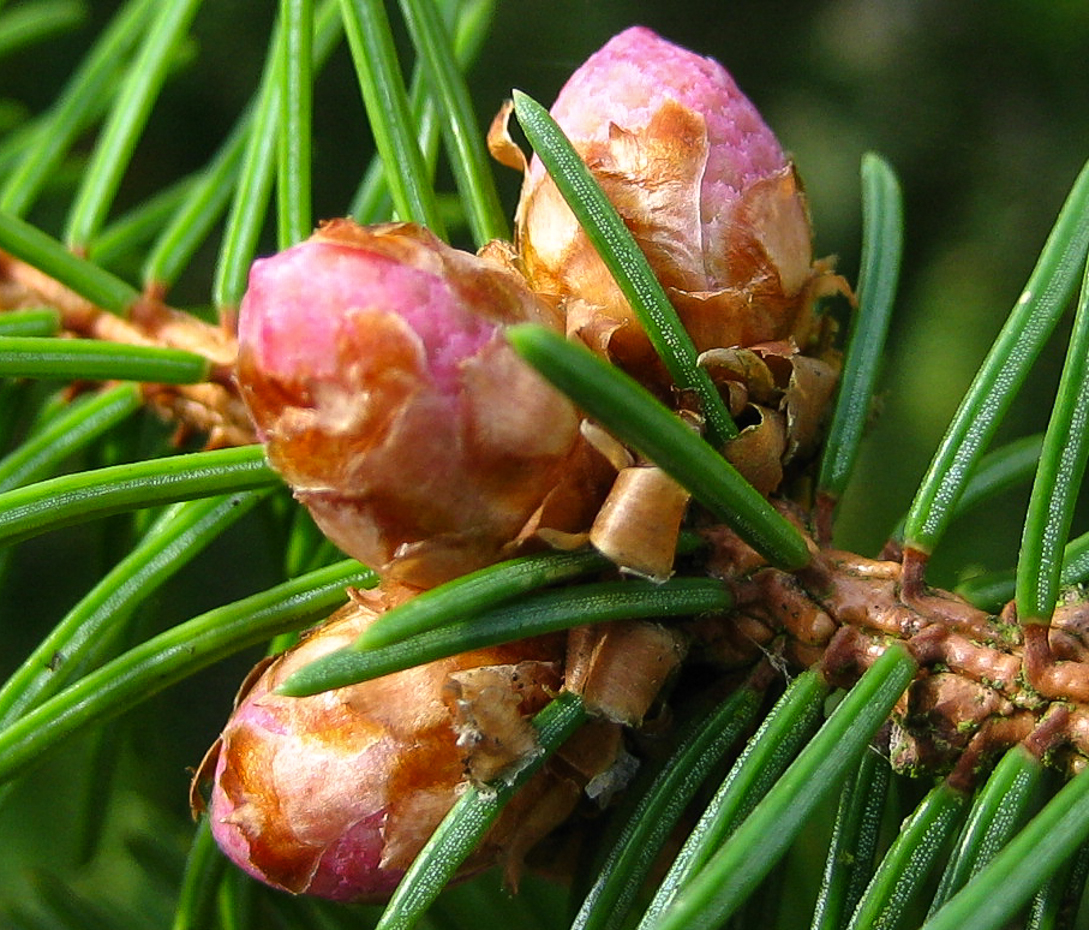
(373,363)
(334,795)
(701,182)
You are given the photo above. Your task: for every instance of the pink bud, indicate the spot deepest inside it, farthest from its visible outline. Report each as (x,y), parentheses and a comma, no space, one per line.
(334,795)
(701,182)
(373,364)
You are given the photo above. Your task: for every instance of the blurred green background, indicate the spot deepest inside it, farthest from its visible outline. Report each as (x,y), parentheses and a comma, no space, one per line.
(982,107)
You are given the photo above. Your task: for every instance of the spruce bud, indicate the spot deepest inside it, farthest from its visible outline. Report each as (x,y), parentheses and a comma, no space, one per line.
(703,185)
(334,794)
(373,363)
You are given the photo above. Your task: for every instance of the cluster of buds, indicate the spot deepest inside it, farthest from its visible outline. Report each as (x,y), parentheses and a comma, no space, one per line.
(373,363)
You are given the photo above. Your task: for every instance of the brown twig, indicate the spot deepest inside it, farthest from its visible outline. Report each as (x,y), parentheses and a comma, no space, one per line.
(211,408)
